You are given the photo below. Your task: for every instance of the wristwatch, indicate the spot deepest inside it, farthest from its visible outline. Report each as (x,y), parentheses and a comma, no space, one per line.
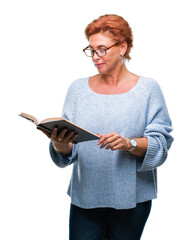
(133,143)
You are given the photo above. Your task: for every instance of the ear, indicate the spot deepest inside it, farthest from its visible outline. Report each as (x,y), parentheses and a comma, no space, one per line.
(123,48)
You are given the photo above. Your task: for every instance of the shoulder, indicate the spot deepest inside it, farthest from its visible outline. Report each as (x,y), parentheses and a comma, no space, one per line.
(77,85)
(75,92)
(149,82)
(79,82)
(150,85)
(152,90)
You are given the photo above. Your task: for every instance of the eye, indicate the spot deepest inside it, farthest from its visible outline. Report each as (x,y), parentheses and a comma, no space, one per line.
(101,50)
(89,52)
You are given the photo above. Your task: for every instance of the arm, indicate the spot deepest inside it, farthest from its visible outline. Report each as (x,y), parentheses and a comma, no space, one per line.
(142,145)
(157,131)
(156,140)
(62,142)
(114,142)
(61,159)
(62,150)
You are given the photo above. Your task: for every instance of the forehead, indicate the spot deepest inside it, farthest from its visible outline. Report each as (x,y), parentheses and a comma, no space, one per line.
(100,39)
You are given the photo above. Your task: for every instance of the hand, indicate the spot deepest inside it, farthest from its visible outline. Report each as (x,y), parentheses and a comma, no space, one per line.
(63,141)
(114,141)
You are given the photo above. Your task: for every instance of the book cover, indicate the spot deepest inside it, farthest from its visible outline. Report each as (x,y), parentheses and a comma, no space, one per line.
(61,123)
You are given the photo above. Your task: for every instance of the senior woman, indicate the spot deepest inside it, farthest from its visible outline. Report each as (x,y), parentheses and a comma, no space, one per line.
(114,179)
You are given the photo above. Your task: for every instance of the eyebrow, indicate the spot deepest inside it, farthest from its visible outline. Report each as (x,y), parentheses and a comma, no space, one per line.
(97,46)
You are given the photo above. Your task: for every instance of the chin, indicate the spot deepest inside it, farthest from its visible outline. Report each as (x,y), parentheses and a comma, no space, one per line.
(103,70)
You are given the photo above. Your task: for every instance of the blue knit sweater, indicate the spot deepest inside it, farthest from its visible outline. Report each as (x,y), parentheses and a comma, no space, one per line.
(116,179)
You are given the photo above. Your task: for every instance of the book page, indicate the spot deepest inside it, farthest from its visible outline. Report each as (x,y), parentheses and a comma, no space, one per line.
(29,117)
(51,119)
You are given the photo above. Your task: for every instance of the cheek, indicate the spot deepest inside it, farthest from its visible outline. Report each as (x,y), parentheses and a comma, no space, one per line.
(113,59)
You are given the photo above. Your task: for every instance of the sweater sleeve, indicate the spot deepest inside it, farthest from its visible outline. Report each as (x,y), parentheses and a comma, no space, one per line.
(158,128)
(61,159)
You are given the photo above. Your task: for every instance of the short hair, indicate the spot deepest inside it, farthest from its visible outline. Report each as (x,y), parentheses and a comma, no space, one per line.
(114,24)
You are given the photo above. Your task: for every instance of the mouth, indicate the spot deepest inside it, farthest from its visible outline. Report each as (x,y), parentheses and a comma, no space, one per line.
(98,65)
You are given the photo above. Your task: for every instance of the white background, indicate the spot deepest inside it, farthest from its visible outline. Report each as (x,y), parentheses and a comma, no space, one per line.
(41,46)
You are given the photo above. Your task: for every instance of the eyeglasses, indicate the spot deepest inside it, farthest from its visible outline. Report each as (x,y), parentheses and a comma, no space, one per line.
(100,52)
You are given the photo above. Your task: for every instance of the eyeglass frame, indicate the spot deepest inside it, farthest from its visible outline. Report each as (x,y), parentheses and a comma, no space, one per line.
(95,51)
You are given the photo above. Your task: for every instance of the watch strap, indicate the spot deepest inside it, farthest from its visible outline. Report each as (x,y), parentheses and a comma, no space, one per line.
(132,149)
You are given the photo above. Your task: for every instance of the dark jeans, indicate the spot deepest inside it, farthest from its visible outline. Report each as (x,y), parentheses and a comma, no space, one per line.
(108,223)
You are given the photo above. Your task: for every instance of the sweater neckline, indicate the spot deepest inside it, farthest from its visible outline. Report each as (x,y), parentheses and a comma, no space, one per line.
(118,94)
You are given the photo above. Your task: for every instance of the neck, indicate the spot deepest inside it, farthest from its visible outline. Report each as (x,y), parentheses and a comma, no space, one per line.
(115,77)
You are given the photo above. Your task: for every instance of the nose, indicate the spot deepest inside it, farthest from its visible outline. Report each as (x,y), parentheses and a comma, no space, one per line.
(95,56)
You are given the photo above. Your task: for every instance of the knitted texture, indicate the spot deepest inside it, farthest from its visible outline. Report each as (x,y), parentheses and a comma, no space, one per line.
(116,179)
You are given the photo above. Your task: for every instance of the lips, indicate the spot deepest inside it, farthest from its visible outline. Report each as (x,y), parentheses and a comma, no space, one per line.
(98,65)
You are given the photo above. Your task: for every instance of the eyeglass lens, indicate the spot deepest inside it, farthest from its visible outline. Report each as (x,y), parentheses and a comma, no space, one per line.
(100,52)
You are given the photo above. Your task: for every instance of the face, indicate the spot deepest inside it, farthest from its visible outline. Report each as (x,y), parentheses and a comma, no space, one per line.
(109,63)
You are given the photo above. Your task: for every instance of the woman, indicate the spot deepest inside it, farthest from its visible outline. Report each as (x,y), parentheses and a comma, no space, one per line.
(114,179)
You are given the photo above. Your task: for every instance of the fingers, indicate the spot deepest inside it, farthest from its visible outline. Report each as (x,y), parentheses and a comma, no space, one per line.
(109,140)
(61,135)
(54,134)
(74,137)
(70,137)
(104,137)
(100,135)
(114,145)
(64,136)
(113,141)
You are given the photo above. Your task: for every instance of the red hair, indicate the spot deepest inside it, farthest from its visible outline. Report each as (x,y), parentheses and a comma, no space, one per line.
(114,24)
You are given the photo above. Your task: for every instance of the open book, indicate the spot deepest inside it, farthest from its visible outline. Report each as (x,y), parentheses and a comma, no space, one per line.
(61,123)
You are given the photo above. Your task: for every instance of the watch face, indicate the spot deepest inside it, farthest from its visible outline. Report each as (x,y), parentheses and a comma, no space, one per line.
(133,143)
